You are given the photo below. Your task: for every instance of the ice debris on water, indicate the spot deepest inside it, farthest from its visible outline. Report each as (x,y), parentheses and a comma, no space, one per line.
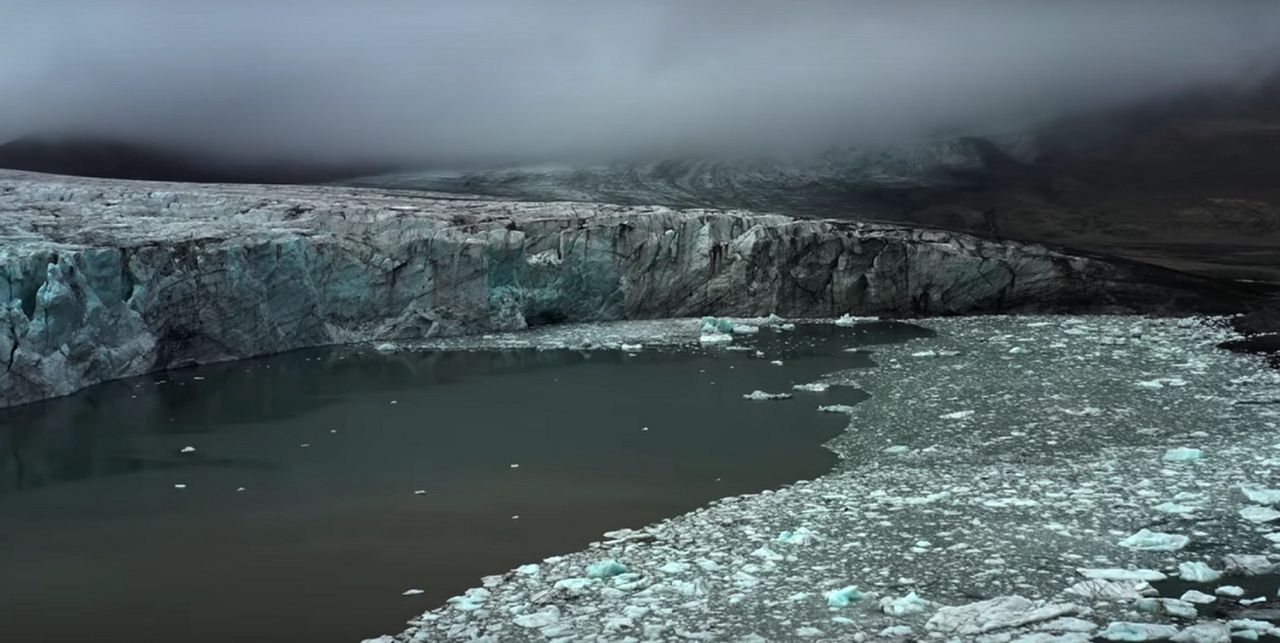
(179,486)
(897,449)
(1002,612)
(1247,564)
(714,325)
(1197,572)
(799,536)
(836,408)
(844,596)
(1128,631)
(715,338)
(412,592)
(472,600)
(956,415)
(1229,590)
(187,449)
(1203,633)
(1097,589)
(1166,607)
(385,347)
(1147,540)
(605,569)
(909,604)
(853,320)
(631,348)
(1259,513)
(1182,454)
(1260,495)
(1112,573)
(761,396)
(815,387)
(1196,596)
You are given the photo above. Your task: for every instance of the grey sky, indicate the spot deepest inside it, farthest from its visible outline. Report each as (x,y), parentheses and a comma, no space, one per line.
(544,78)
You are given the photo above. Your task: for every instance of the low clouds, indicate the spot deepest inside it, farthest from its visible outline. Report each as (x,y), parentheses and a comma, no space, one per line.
(499,80)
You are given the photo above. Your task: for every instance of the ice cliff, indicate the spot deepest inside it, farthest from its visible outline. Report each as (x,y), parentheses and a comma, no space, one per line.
(104,279)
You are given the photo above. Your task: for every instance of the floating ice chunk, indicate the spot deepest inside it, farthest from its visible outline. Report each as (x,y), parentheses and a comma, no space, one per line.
(1247,564)
(385,347)
(1230,590)
(925,354)
(1203,633)
(801,536)
(808,632)
(761,396)
(473,600)
(851,320)
(957,415)
(897,449)
(529,570)
(837,408)
(1254,600)
(1097,589)
(1147,540)
(842,597)
(419,492)
(573,585)
(1182,454)
(1197,572)
(1193,596)
(1163,606)
(605,569)
(766,553)
(631,348)
(1249,624)
(909,604)
(412,592)
(716,325)
(745,329)
(1126,631)
(1260,494)
(674,567)
(995,614)
(896,631)
(549,615)
(1175,508)
(715,338)
(1113,573)
(816,387)
(180,485)
(1017,350)
(777,362)
(1258,513)
(187,449)
(772,320)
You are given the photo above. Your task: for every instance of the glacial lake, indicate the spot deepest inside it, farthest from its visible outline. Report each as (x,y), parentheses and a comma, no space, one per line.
(325,483)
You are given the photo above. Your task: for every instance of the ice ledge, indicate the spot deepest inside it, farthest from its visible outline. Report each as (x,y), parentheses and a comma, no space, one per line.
(104,279)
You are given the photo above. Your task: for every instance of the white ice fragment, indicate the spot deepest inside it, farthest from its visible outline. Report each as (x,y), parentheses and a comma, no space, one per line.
(1166,606)
(1194,596)
(851,320)
(896,631)
(412,592)
(745,329)
(547,616)
(909,604)
(1260,494)
(1247,564)
(531,569)
(179,485)
(801,536)
(836,408)
(1182,454)
(1097,589)
(1197,572)
(766,553)
(957,415)
(472,600)
(1175,508)
(1258,513)
(761,396)
(897,449)
(419,492)
(1147,540)
(631,348)
(777,362)
(188,449)
(674,568)
(715,338)
(816,387)
(1126,631)
(995,614)
(1229,590)
(925,354)
(1203,633)
(1112,573)
(385,347)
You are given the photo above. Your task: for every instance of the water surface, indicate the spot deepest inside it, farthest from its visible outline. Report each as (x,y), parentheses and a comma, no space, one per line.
(300,518)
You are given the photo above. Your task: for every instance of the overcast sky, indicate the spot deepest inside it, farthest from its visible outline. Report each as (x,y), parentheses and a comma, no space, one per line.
(443,80)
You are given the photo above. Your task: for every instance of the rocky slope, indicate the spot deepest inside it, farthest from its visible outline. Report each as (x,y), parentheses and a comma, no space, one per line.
(104,279)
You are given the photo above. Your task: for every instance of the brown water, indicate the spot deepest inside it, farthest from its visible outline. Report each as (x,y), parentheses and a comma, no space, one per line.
(97,543)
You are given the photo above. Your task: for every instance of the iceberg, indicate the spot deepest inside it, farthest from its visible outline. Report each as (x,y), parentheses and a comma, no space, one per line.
(761,396)
(605,569)
(1147,540)
(1247,564)
(842,597)
(993,614)
(717,326)
(1197,572)
(1203,633)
